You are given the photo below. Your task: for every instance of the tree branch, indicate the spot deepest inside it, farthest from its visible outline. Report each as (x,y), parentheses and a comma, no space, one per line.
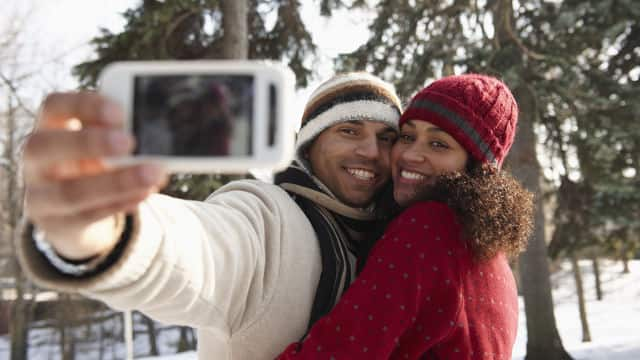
(14,91)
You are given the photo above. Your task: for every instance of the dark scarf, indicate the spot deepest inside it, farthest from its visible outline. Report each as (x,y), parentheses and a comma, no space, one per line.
(332,222)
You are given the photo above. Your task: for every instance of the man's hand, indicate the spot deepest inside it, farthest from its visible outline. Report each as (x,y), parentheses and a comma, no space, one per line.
(71,194)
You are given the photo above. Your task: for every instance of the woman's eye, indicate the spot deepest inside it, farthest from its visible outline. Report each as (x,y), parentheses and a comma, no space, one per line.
(439,145)
(405,138)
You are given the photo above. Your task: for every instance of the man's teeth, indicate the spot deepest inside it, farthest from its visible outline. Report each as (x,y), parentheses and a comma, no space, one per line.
(411,175)
(362,174)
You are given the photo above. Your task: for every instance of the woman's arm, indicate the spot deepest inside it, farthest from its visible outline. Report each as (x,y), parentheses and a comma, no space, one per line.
(406,298)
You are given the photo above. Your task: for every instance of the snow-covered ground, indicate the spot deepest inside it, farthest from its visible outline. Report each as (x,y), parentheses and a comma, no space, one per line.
(614,321)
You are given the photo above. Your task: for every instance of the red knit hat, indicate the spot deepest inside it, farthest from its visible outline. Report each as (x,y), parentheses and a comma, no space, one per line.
(479,112)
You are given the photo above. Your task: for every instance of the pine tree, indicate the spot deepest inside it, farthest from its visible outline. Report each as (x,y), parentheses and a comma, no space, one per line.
(194,29)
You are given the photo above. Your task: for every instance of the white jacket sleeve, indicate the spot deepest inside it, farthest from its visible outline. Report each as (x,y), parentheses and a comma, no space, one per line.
(210,265)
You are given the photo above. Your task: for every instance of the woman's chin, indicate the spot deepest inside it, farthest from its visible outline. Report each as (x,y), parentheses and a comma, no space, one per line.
(405,198)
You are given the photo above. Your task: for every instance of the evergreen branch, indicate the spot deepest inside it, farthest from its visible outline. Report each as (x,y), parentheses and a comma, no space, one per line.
(528,52)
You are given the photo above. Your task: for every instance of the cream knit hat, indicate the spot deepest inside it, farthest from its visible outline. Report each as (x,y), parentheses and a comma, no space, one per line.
(347,97)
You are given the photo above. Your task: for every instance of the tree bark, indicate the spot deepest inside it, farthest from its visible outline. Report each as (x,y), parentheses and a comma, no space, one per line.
(235,39)
(151,333)
(543,339)
(582,305)
(184,342)
(67,349)
(101,341)
(625,264)
(596,275)
(21,309)
(18,327)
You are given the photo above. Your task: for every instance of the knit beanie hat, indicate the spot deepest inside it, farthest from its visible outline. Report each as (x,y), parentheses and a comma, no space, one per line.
(346,97)
(479,112)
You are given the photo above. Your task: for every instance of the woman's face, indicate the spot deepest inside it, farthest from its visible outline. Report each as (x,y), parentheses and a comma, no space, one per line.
(422,152)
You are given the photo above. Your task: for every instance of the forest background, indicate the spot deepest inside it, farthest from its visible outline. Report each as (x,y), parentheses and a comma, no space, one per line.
(574,67)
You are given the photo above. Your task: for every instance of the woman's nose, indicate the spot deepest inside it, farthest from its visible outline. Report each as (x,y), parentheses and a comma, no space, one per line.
(414,155)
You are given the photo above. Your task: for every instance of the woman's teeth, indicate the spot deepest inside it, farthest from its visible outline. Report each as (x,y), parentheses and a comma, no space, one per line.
(411,175)
(361,174)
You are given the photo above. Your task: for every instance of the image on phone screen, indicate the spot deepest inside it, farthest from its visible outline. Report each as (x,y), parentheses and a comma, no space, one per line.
(193,115)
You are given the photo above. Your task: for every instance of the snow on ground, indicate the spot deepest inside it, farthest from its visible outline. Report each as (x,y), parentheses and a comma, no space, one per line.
(614,321)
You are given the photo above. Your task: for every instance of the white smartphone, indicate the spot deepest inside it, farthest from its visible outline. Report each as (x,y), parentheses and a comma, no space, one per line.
(221,116)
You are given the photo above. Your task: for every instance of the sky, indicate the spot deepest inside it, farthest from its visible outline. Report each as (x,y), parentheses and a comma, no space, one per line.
(57,35)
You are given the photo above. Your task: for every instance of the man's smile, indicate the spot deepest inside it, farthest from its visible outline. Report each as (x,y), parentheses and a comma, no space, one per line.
(361,174)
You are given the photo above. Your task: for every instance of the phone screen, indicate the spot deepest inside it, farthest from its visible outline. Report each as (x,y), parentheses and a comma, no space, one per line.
(193,115)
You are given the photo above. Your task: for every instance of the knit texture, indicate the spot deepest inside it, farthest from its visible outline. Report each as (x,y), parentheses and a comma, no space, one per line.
(346,97)
(479,111)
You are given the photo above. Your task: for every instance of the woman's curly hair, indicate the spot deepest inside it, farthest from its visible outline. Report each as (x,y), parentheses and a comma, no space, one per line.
(494,209)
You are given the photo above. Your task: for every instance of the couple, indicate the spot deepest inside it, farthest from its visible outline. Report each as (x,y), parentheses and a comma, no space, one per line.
(259,266)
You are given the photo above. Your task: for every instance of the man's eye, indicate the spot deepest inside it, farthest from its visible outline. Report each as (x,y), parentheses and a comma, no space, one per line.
(348,131)
(387,138)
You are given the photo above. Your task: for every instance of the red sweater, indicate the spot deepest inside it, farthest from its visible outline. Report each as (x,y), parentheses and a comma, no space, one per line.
(420,296)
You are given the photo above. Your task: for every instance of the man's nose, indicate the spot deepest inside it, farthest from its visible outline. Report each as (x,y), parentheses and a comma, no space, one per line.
(368,148)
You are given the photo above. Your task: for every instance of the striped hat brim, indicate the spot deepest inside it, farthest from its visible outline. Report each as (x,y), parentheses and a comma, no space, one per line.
(360,110)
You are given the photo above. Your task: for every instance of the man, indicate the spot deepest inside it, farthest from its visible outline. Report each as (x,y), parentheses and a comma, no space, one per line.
(252,266)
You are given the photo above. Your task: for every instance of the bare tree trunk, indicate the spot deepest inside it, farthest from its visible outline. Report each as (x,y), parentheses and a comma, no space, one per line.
(543,339)
(183,343)
(101,341)
(625,253)
(596,275)
(21,309)
(67,349)
(151,331)
(19,325)
(235,40)
(582,305)
(625,263)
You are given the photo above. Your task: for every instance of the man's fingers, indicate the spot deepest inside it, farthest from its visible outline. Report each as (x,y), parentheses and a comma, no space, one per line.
(55,225)
(90,108)
(59,146)
(84,194)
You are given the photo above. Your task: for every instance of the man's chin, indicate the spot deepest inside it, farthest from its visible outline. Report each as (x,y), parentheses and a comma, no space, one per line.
(356,201)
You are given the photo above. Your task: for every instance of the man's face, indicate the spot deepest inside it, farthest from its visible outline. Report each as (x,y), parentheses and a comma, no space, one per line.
(353,159)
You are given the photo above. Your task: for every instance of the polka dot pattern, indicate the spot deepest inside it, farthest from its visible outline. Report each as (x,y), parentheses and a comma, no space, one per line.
(420,294)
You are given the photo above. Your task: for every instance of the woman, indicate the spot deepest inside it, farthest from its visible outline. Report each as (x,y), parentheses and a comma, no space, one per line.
(437,285)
